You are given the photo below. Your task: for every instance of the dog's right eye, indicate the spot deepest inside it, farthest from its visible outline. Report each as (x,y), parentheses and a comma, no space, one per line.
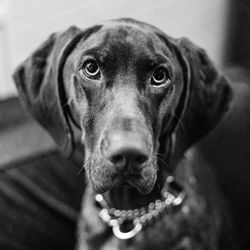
(90,69)
(160,77)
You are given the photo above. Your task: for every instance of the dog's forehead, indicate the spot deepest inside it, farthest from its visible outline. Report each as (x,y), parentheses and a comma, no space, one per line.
(130,38)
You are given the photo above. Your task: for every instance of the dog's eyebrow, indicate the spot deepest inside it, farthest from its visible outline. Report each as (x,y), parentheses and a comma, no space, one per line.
(150,61)
(95,51)
(158,59)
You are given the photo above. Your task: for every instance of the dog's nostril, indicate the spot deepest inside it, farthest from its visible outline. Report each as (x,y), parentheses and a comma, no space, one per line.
(118,159)
(128,158)
(140,159)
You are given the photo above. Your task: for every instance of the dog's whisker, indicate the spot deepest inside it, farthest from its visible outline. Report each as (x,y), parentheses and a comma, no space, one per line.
(81,170)
(164,162)
(160,154)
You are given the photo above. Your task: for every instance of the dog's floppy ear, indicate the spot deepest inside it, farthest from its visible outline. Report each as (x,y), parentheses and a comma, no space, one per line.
(40,85)
(209,93)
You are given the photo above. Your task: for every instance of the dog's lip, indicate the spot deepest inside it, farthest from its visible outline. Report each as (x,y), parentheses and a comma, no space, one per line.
(135,182)
(143,181)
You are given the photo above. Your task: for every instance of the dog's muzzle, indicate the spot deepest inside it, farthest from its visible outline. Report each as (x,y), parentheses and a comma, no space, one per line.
(129,154)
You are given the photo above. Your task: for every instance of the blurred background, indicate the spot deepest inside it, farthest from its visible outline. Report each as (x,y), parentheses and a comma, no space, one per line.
(221,27)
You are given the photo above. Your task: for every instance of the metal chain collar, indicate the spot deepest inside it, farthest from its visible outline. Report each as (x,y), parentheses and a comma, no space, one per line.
(172,196)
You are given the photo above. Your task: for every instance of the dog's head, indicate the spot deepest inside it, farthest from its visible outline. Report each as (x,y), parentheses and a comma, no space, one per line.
(130,89)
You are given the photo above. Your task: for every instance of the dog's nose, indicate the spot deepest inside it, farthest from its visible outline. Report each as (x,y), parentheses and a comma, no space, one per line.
(127,156)
(125,149)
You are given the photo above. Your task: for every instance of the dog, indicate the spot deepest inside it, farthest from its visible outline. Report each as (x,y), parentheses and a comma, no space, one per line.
(142,101)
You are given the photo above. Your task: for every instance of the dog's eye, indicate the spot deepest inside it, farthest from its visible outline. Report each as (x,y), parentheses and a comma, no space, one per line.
(91,69)
(160,77)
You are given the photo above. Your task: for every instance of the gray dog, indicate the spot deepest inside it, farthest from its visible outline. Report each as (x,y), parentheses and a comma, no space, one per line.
(141,99)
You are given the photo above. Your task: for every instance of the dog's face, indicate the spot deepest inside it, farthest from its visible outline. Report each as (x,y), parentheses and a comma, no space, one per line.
(127,85)
(122,81)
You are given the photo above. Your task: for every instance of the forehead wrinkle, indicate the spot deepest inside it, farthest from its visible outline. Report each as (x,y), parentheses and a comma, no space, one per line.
(147,46)
(140,34)
(151,54)
(105,44)
(93,46)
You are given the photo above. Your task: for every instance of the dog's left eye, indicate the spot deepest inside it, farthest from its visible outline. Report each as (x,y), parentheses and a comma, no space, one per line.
(90,69)
(160,77)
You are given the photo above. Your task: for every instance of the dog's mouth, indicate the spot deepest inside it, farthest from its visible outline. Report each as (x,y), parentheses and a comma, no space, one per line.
(129,194)
(143,182)
(128,191)
(143,179)
(103,178)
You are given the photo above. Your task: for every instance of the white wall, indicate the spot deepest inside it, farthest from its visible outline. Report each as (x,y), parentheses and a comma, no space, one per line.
(31,21)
